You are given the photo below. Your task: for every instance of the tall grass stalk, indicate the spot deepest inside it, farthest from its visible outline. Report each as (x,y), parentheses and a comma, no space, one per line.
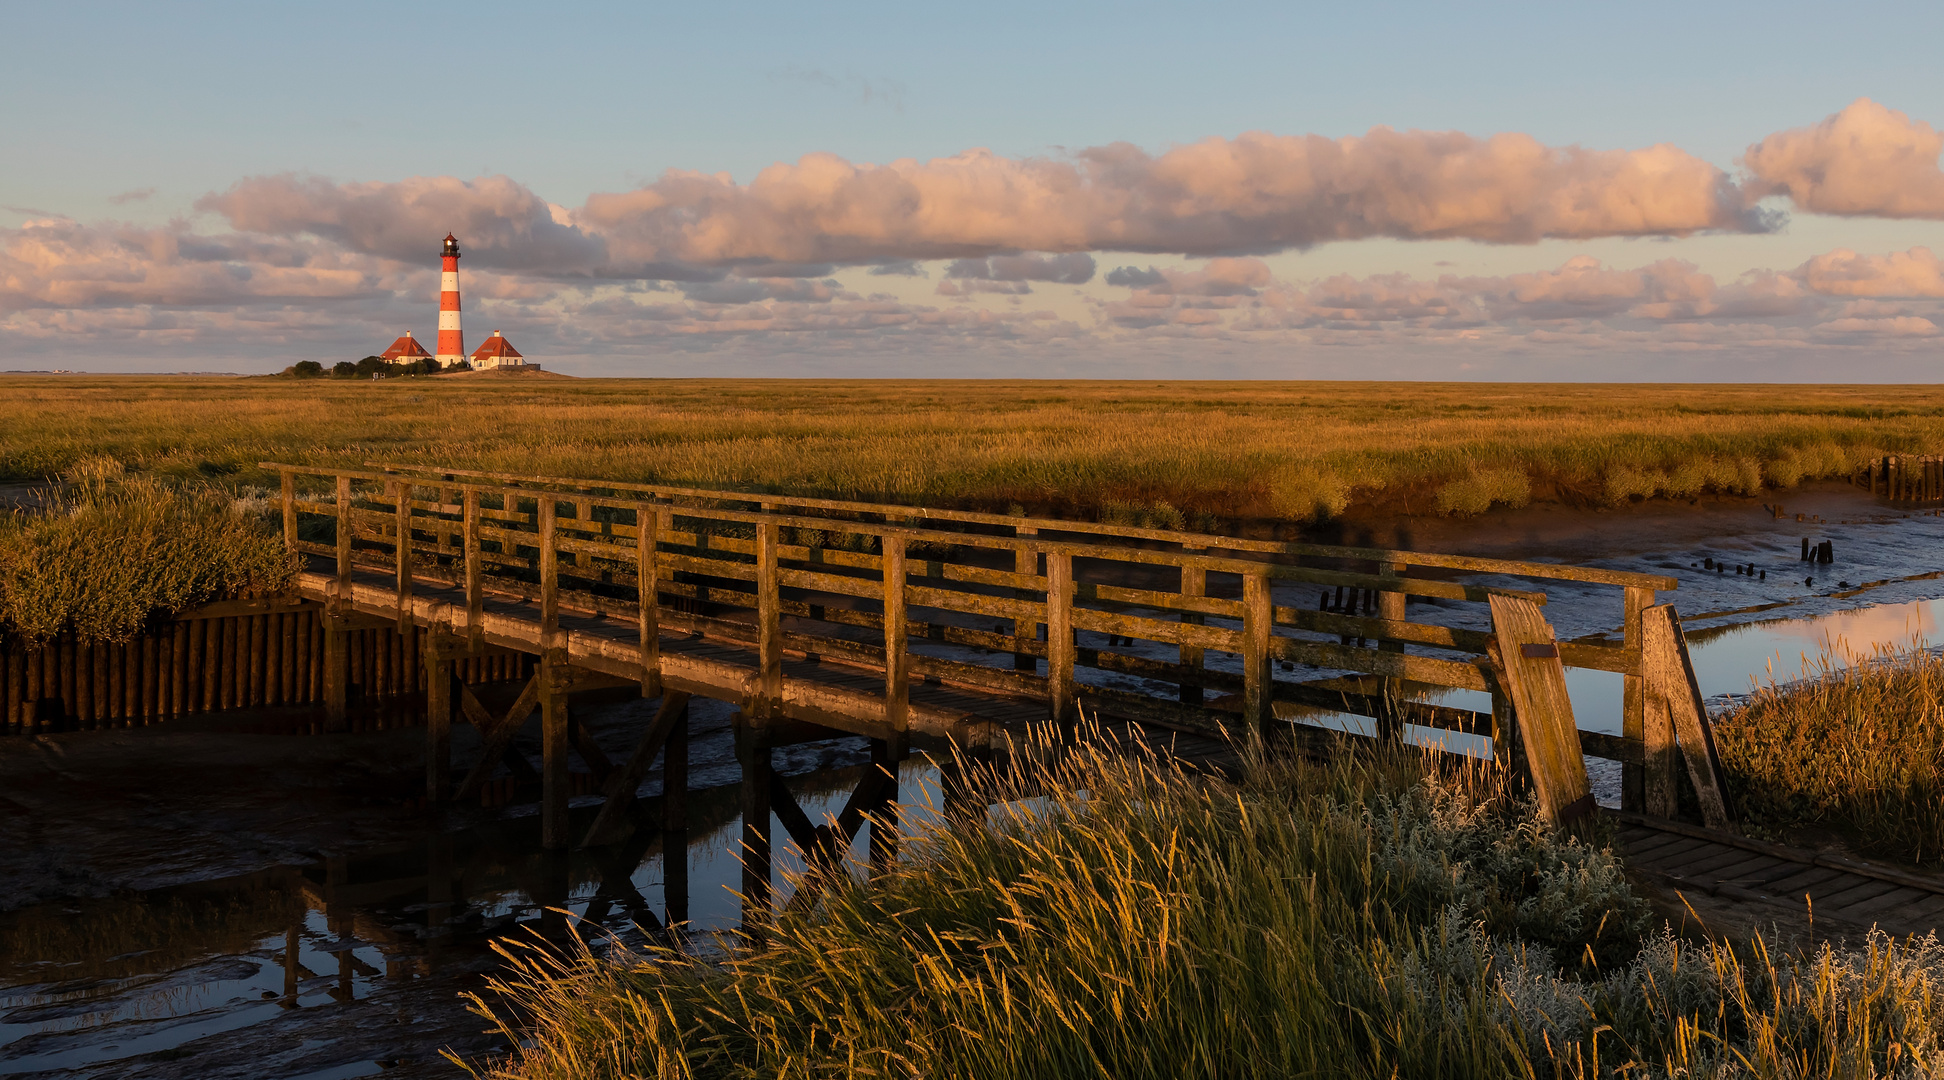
(115,554)
(1856,748)
(1372,919)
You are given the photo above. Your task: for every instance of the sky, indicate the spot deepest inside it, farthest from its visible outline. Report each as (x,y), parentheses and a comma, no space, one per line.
(1691,192)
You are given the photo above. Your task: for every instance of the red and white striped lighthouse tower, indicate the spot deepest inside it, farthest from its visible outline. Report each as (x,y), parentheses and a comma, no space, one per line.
(452,340)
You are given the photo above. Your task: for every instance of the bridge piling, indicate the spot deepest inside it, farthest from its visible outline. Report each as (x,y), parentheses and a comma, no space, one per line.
(554,679)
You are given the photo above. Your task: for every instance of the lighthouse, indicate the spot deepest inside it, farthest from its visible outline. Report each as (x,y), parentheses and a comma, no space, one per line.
(452,340)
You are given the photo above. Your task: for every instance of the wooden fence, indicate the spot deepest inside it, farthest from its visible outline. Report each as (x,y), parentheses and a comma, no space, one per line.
(237,654)
(1904,477)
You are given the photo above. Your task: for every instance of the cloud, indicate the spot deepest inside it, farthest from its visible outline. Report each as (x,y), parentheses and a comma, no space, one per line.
(60,263)
(501,224)
(1902,326)
(1253,194)
(138,195)
(1075,268)
(1239,295)
(1843,272)
(1865,160)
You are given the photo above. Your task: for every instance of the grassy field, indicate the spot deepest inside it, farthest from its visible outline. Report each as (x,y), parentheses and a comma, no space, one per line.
(1374,920)
(1857,751)
(1159,453)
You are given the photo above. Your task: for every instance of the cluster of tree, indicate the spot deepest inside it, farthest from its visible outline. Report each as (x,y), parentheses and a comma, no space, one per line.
(368,367)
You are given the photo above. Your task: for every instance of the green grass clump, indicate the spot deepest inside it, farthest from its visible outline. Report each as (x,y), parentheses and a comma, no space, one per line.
(1857,749)
(1374,920)
(115,555)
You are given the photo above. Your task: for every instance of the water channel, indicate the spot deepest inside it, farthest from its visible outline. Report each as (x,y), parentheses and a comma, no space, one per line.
(282,910)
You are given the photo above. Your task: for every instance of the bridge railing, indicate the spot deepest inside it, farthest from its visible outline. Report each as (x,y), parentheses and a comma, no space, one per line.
(885,585)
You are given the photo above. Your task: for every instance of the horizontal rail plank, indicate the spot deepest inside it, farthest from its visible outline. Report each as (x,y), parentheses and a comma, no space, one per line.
(1516,568)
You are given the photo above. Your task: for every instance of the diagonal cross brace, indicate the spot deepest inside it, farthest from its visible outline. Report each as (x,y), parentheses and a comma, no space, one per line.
(498,732)
(824,845)
(621,783)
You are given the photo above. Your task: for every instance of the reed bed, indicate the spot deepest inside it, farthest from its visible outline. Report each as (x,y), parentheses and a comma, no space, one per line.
(1198,453)
(111,556)
(1855,748)
(1373,918)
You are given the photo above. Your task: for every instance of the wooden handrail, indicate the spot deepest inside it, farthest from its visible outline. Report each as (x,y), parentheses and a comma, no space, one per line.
(1593,575)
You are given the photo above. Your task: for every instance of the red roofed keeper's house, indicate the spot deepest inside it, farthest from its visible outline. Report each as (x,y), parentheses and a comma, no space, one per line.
(497,352)
(404,351)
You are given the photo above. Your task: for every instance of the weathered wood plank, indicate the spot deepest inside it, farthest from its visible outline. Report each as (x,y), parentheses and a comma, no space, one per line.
(1528,657)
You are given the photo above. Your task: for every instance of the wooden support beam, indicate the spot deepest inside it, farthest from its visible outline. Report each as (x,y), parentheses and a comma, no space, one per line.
(754,750)
(675,822)
(590,751)
(440,704)
(553,749)
(496,732)
(337,675)
(621,784)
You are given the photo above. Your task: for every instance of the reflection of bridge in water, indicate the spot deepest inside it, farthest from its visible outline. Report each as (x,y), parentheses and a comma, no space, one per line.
(820,618)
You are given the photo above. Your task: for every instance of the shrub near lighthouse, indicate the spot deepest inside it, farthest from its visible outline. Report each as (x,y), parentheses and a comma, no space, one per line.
(452,340)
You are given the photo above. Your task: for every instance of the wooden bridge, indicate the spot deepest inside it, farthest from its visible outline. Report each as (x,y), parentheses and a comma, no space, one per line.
(819,618)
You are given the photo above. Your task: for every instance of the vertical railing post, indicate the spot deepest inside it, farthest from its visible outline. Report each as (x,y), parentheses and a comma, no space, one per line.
(344,539)
(648,527)
(1060,650)
(289,509)
(549,572)
(888,753)
(402,552)
(1391,608)
(1258,687)
(1633,700)
(475,585)
(1194,583)
(1025,561)
(769,621)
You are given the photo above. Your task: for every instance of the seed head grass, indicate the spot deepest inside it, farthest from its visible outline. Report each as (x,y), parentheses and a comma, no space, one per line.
(1856,748)
(1373,918)
(113,556)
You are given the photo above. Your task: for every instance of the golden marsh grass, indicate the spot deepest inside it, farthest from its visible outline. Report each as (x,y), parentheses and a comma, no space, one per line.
(1196,451)
(1374,919)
